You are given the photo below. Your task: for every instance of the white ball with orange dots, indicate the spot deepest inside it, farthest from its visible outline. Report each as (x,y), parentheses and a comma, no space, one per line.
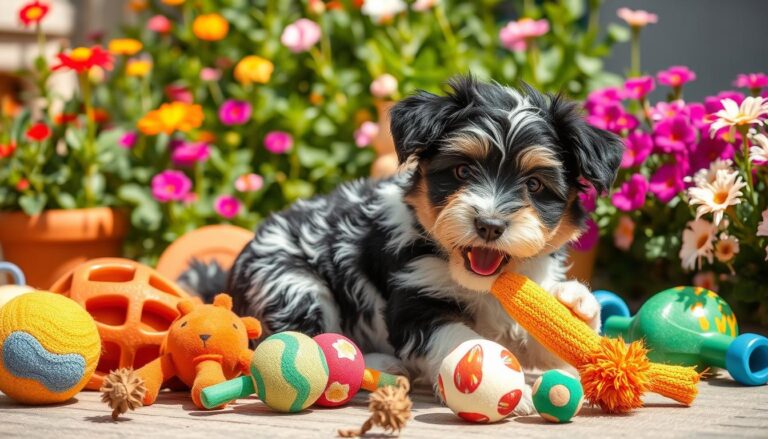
(481,381)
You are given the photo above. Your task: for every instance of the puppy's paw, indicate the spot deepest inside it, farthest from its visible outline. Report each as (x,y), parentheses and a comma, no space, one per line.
(579,300)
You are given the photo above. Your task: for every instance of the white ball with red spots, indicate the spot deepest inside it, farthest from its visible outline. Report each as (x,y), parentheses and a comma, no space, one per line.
(481,381)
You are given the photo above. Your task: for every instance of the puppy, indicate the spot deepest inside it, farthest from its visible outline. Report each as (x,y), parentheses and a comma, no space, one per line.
(489,182)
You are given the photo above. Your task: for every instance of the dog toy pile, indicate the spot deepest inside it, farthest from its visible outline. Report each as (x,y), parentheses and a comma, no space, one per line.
(133,306)
(390,408)
(557,396)
(50,347)
(206,345)
(614,375)
(695,327)
(481,381)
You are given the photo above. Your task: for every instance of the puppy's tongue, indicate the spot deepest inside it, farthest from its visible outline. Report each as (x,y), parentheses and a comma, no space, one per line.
(484,261)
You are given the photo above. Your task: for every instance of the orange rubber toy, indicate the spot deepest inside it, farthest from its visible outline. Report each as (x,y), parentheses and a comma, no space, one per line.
(206,345)
(614,375)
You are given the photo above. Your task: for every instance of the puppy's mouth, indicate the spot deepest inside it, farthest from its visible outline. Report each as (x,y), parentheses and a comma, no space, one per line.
(484,261)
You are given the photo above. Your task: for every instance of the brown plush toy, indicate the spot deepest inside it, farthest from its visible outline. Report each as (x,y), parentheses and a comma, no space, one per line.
(205,345)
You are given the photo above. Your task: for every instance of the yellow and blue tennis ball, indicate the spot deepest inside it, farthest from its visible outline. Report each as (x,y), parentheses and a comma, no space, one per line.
(289,371)
(50,347)
(557,396)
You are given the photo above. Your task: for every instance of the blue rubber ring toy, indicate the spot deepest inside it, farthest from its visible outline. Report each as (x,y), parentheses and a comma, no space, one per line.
(610,305)
(15,272)
(747,359)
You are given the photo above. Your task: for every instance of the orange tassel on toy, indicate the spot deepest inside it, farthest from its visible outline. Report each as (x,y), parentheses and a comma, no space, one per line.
(614,375)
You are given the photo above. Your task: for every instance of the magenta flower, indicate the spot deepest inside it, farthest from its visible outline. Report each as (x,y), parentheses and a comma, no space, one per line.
(170,186)
(189,153)
(674,134)
(667,182)
(638,88)
(612,117)
(227,206)
(128,140)
(752,81)
(366,133)
(676,76)
(300,35)
(708,150)
(603,97)
(233,112)
(181,93)
(278,142)
(638,146)
(666,110)
(588,198)
(249,182)
(713,104)
(696,114)
(631,194)
(516,35)
(589,238)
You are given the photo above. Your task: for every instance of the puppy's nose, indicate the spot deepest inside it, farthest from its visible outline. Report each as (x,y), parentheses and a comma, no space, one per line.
(205,337)
(490,229)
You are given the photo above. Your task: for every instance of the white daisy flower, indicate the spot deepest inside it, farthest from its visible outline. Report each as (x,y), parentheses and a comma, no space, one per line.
(726,248)
(697,243)
(703,176)
(717,196)
(759,152)
(380,10)
(732,115)
(762,227)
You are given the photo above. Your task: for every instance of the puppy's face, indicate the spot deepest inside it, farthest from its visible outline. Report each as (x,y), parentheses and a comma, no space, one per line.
(497,174)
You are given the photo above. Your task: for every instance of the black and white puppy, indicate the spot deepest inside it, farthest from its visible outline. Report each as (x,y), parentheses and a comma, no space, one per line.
(489,182)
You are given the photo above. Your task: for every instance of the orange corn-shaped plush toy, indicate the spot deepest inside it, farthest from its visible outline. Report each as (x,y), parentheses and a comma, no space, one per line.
(614,375)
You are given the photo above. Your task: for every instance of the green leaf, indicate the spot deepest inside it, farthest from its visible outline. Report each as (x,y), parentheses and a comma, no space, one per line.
(66,200)
(96,183)
(32,204)
(588,64)
(574,7)
(133,194)
(618,33)
(147,217)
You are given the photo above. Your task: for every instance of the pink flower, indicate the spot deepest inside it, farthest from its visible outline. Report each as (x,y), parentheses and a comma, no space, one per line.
(160,24)
(696,113)
(210,74)
(384,86)
(588,198)
(278,142)
(713,104)
(589,238)
(604,96)
(638,18)
(249,183)
(180,93)
(170,186)
(665,110)
(676,76)
(234,112)
(128,140)
(624,234)
(227,206)
(631,194)
(674,134)
(188,153)
(612,117)
(516,35)
(708,150)
(366,133)
(638,88)
(638,147)
(423,5)
(667,182)
(752,81)
(300,35)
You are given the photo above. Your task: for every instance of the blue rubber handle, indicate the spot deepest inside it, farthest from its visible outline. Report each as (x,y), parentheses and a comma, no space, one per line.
(747,359)
(610,305)
(15,272)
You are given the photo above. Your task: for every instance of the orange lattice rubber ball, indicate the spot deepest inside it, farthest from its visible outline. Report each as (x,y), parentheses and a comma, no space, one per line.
(133,306)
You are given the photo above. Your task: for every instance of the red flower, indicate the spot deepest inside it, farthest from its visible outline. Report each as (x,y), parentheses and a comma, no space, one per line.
(38,132)
(64,118)
(100,115)
(22,185)
(7,149)
(33,13)
(82,59)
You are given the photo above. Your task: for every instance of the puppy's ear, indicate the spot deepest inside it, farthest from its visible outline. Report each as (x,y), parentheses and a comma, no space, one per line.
(597,153)
(417,121)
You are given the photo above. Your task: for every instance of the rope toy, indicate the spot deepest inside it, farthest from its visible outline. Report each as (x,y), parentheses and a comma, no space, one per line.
(390,408)
(614,375)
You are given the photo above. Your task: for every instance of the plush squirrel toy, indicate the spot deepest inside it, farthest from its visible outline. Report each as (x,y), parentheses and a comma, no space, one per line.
(205,345)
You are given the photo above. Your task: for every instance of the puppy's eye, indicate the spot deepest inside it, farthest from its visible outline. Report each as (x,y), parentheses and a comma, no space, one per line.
(462,172)
(534,185)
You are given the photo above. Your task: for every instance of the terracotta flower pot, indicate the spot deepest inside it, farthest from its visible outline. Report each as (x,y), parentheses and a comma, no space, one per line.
(48,245)
(582,264)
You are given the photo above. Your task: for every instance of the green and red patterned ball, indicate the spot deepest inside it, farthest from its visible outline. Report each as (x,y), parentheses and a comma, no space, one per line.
(557,396)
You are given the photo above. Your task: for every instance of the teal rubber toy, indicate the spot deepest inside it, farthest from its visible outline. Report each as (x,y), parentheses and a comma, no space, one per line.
(557,396)
(693,326)
(610,305)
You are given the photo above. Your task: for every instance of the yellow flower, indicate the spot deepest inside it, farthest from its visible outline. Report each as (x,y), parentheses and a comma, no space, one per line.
(173,2)
(210,27)
(337,392)
(138,68)
(253,68)
(137,5)
(345,349)
(125,46)
(176,116)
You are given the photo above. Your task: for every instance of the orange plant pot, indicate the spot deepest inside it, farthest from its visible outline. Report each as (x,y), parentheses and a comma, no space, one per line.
(582,264)
(52,243)
(133,306)
(386,162)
